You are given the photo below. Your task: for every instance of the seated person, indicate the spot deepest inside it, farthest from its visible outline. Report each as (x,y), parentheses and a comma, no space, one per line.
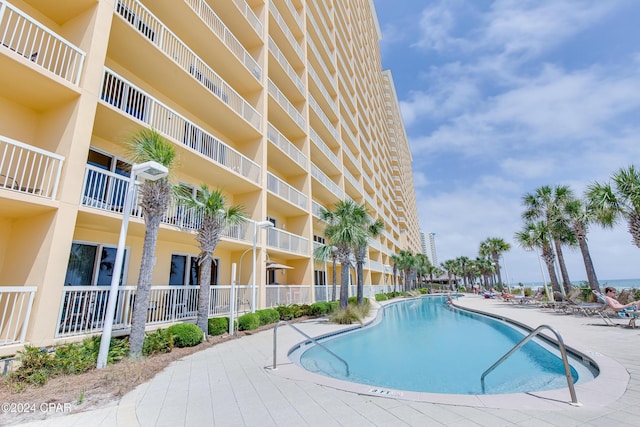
(609,293)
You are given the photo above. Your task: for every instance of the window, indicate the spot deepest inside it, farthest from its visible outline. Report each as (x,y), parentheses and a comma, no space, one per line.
(320,277)
(92,264)
(185,271)
(319,239)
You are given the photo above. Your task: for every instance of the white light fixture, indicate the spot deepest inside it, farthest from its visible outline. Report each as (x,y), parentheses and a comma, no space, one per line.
(147,170)
(256,226)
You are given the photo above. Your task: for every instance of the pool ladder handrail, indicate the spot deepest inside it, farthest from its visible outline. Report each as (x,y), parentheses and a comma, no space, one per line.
(275,344)
(563,353)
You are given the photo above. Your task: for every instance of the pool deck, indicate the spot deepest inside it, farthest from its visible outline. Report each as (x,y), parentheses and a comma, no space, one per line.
(233,384)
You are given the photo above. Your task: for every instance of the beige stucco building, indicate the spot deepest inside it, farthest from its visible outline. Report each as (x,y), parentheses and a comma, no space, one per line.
(282,104)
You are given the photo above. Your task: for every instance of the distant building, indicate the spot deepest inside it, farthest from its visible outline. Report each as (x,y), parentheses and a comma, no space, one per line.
(430,249)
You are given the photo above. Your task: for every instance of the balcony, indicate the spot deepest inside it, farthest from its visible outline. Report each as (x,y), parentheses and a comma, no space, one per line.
(33,41)
(287,148)
(287,192)
(106,191)
(15,308)
(286,105)
(47,68)
(326,182)
(280,239)
(29,170)
(129,46)
(137,104)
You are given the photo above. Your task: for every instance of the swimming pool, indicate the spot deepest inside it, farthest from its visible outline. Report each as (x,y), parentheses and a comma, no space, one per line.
(425,346)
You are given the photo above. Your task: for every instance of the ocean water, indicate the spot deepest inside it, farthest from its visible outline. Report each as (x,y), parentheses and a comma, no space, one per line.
(616,283)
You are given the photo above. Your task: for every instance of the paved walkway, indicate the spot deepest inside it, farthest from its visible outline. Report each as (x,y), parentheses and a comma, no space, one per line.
(232,384)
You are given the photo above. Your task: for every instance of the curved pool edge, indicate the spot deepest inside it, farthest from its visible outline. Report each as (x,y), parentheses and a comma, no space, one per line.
(606,388)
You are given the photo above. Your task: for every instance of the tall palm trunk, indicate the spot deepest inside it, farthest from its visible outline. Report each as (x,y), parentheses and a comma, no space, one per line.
(334,274)
(549,258)
(563,267)
(141,304)
(588,264)
(360,253)
(344,281)
(208,237)
(155,199)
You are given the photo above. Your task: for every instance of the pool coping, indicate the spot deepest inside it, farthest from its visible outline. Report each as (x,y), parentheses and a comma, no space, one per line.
(606,388)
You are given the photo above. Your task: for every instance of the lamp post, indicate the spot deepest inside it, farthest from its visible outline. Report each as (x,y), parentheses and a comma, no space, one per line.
(256,226)
(147,170)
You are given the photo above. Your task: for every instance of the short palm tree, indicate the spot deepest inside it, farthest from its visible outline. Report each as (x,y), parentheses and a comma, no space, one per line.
(451,267)
(545,204)
(395,259)
(536,235)
(464,263)
(406,264)
(149,145)
(493,247)
(216,217)
(618,201)
(344,231)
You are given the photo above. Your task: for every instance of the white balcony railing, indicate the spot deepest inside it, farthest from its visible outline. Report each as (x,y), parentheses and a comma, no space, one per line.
(287,295)
(326,181)
(286,104)
(277,138)
(284,240)
(251,17)
(282,60)
(130,99)
(28,38)
(106,191)
(146,23)
(29,169)
(83,308)
(284,190)
(15,310)
(315,138)
(216,25)
(285,29)
(323,117)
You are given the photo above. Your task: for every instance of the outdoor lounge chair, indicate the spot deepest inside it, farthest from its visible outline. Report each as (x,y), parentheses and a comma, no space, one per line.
(626,313)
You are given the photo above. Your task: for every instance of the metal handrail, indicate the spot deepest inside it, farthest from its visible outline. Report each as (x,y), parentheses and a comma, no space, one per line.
(275,344)
(563,353)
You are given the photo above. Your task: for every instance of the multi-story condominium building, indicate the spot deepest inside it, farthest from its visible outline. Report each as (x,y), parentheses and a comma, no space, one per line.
(281,104)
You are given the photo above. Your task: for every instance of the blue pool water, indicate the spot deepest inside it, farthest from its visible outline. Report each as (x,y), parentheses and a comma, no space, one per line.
(424,345)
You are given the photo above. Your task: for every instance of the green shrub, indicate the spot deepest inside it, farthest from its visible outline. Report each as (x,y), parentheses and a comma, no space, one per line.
(288,312)
(268,316)
(156,342)
(185,334)
(381,297)
(352,300)
(248,322)
(36,366)
(304,310)
(320,308)
(218,325)
(74,358)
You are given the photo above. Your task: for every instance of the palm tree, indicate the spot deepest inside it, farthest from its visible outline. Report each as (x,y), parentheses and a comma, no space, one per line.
(450,266)
(395,259)
(546,204)
(536,235)
(493,247)
(216,217)
(406,264)
(422,267)
(580,215)
(463,261)
(372,229)
(620,201)
(344,231)
(149,145)
(486,269)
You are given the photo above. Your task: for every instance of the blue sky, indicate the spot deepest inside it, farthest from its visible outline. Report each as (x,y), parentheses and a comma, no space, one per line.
(501,97)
